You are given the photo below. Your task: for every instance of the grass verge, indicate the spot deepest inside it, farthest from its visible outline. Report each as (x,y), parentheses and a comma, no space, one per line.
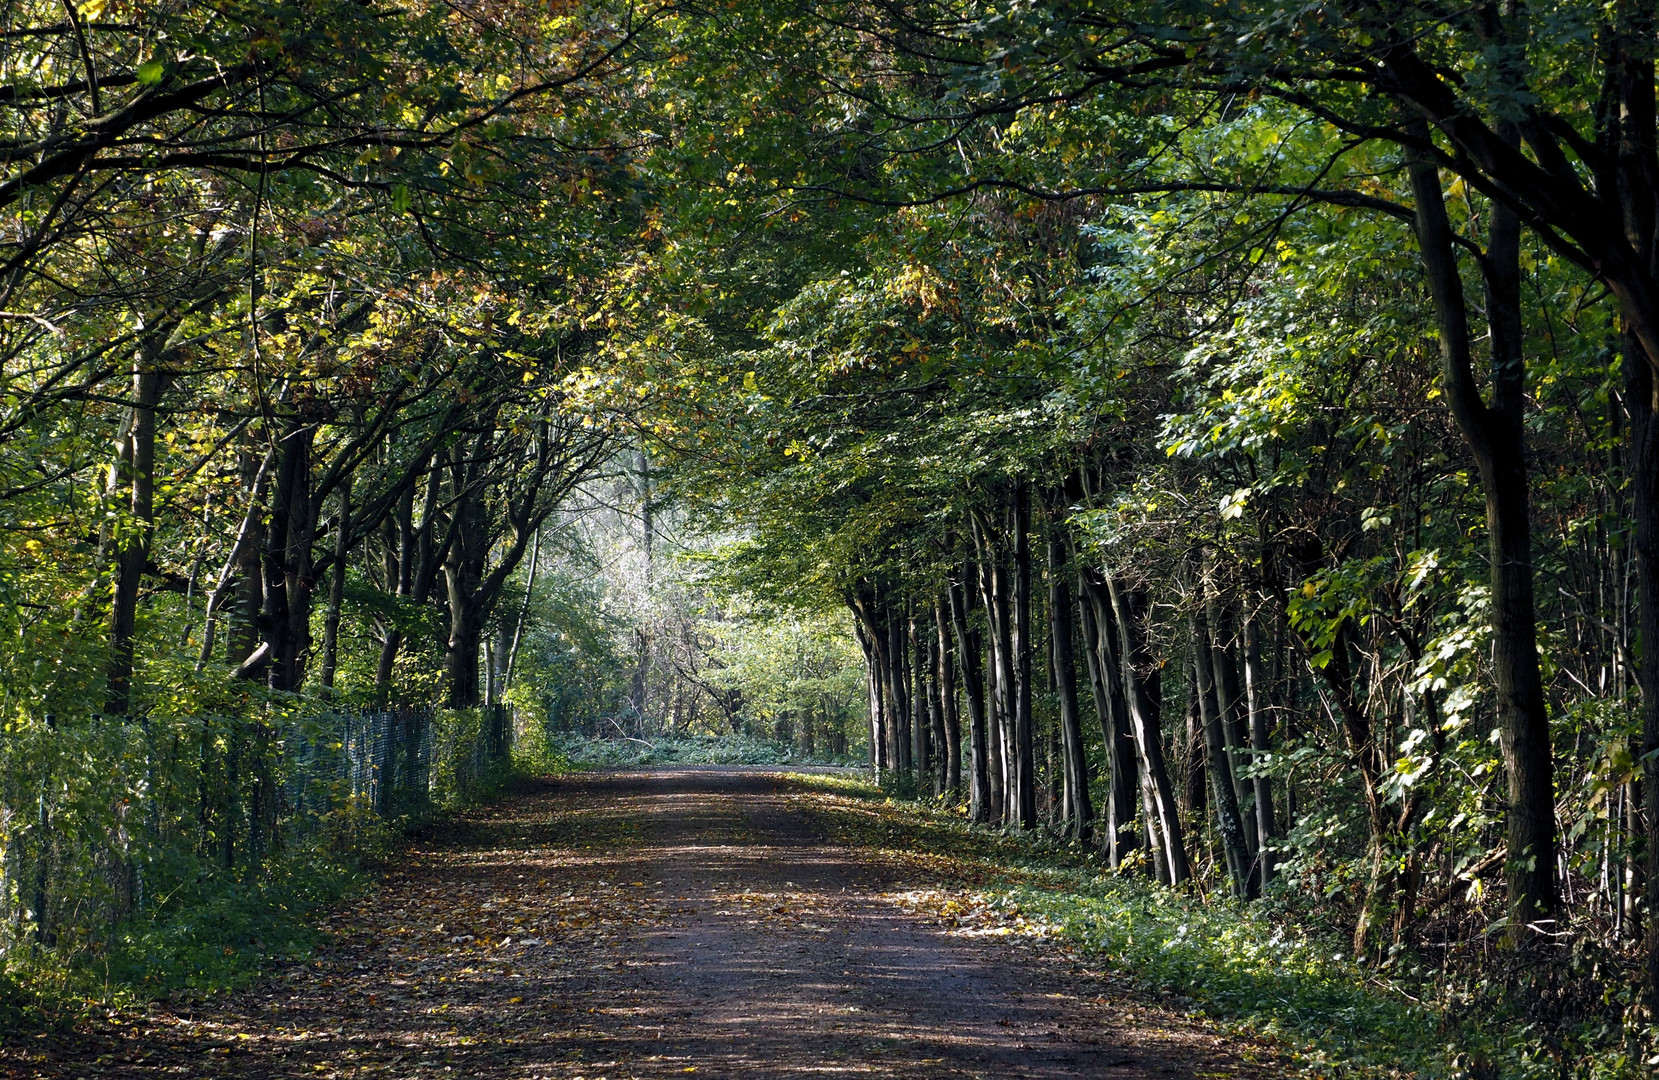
(1251,967)
(221,930)
(613,753)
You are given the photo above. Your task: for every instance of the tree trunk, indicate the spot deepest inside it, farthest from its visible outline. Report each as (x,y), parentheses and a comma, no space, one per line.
(1228,819)
(336,587)
(299,581)
(1062,637)
(898,704)
(871,639)
(1140,675)
(1632,123)
(463,686)
(1257,702)
(1195,756)
(1004,784)
(968,651)
(1106,680)
(133,476)
(245,637)
(1229,699)
(243,561)
(1024,752)
(1496,439)
(921,719)
(285,609)
(401,576)
(1640,392)
(523,611)
(463,575)
(949,719)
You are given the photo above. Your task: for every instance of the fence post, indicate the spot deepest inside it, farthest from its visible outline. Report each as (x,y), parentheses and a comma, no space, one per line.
(383,770)
(425,726)
(498,733)
(43,845)
(152,823)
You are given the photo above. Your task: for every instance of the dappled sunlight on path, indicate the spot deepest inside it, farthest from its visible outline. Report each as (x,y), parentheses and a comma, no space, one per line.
(653,924)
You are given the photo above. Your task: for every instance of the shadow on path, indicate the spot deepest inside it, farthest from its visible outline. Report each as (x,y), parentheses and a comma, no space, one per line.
(649,924)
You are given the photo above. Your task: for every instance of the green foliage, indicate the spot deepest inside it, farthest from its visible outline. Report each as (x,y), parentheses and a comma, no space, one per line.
(1255,966)
(571,671)
(470,760)
(220,932)
(603,753)
(797,676)
(181,852)
(854,785)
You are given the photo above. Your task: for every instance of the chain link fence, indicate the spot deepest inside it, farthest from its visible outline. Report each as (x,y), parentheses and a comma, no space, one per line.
(104,817)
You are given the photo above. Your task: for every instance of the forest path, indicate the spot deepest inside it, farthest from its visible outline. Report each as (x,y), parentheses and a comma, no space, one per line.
(652,924)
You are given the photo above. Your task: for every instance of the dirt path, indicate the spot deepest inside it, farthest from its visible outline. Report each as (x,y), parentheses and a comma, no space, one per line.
(652,924)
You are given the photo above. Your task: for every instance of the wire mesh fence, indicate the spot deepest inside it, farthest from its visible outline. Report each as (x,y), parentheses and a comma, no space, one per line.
(104,817)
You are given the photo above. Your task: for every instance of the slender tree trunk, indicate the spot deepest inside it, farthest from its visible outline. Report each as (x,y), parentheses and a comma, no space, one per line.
(294,649)
(246,635)
(1106,680)
(1140,675)
(401,577)
(921,719)
(968,652)
(997,610)
(1220,769)
(523,611)
(871,639)
(949,719)
(1062,636)
(134,477)
(285,610)
(1025,763)
(1229,698)
(273,601)
(336,587)
(1258,700)
(938,739)
(1640,393)
(898,706)
(1495,436)
(1195,756)
(243,556)
(1630,125)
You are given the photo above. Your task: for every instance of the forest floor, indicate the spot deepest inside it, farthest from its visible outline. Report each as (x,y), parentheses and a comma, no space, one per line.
(657,923)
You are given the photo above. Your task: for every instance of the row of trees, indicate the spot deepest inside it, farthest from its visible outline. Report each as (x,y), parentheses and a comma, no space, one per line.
(1290,372)
(263,253)
(634,634)
(1285,370)
(289,295)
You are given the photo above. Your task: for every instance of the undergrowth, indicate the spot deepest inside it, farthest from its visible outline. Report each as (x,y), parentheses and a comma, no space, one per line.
(211,936)
(1252,967)
(220,929)
(615,753)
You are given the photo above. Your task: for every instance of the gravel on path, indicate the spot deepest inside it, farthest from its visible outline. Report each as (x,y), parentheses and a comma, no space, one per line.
(656,923)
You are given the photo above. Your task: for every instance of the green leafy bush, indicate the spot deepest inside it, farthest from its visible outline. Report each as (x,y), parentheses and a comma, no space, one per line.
(227,929)
(1252,965)
(587,753)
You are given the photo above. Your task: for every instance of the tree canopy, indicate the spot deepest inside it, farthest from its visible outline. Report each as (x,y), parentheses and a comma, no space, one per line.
(1221,435)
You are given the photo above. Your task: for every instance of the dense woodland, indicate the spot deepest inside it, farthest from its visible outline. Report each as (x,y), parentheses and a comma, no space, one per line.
(1225,433)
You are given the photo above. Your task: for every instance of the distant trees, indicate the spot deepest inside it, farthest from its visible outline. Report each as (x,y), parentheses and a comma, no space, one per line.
(1227,431)
(252,242)
(1272,373)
